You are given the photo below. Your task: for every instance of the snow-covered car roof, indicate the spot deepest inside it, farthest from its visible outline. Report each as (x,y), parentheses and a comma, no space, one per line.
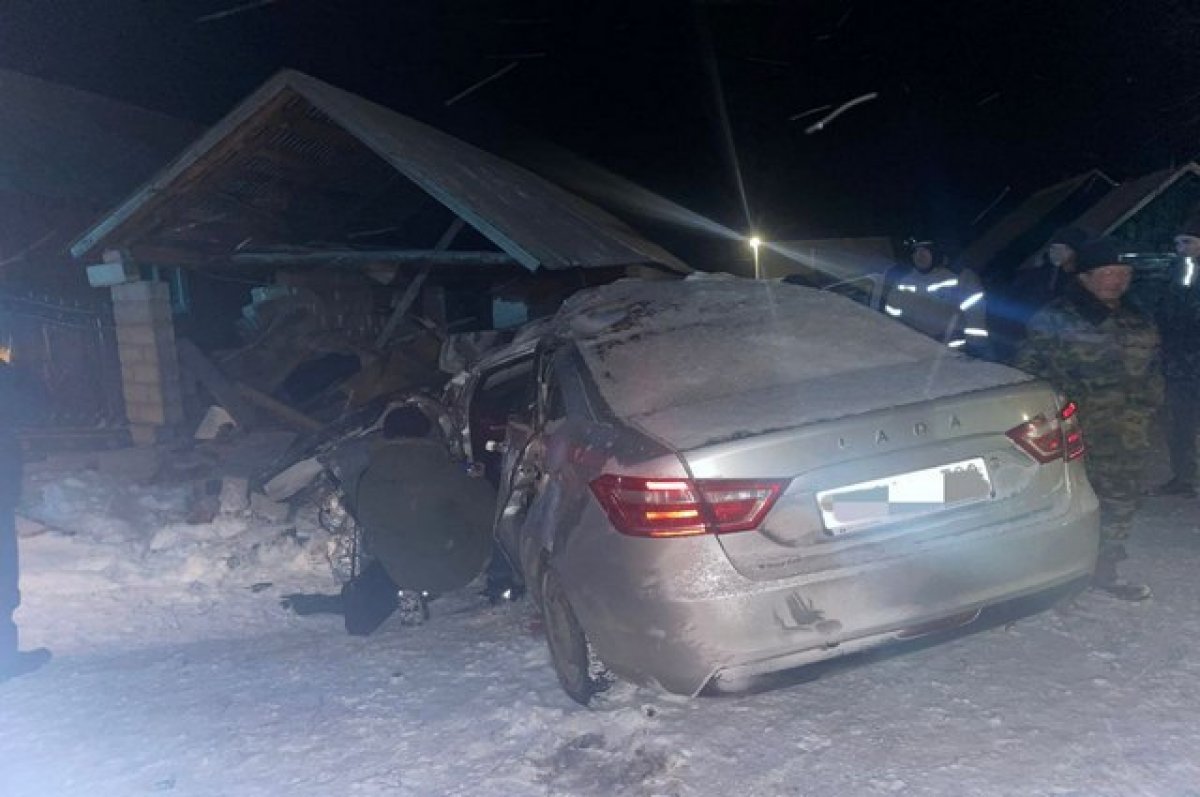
(671,354)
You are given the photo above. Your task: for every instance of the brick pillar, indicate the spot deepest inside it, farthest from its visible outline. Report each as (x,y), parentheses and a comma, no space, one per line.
(149,363)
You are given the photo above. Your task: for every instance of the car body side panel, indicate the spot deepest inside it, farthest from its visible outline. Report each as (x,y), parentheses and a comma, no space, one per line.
(567,454)
(675,612)
(574,452)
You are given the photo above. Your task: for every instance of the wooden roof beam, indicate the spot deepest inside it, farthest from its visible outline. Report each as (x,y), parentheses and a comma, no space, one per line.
(350,257)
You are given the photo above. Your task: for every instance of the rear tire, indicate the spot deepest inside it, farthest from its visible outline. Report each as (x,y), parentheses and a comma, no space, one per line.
(579,671)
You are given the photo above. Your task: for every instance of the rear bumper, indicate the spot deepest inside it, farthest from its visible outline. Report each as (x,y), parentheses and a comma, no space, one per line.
(647,630)
(741,673)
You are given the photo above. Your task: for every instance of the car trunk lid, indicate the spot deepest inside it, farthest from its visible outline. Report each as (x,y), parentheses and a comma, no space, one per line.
(881,484)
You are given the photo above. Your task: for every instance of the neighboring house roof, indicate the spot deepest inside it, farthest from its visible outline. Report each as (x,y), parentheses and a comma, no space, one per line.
(1131,197)
(1038,211)
(58,142)
(297,160)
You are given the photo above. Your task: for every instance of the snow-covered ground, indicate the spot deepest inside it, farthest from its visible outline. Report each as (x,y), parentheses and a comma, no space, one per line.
(177,671)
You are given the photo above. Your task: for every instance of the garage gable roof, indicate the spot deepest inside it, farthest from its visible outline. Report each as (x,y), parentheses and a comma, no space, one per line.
(537,223)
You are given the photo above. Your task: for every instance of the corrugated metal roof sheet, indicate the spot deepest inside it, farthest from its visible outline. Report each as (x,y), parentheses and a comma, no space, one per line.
(536,222)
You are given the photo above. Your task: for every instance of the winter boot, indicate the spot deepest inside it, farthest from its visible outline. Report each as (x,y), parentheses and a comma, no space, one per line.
(1106,579)
(17,664)
(368,599)
(412,607)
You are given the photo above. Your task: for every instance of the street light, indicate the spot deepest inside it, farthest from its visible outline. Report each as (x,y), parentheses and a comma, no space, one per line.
(756,242)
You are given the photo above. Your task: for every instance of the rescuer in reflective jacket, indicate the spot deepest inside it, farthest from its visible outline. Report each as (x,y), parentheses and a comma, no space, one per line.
(931,298)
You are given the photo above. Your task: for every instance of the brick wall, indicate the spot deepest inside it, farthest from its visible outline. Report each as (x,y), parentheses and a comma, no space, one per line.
(149,363)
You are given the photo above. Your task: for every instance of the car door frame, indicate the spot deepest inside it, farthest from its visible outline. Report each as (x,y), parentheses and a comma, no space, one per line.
(525,466)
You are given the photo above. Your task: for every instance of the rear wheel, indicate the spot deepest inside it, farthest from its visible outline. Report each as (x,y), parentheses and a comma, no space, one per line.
(579,671)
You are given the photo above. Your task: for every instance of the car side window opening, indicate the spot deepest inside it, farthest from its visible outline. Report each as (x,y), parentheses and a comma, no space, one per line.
(864,290)
(508,392)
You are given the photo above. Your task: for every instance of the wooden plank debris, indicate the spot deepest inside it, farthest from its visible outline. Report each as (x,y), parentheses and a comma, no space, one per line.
(414,288)
(333,257)
(290,416)
(222,389)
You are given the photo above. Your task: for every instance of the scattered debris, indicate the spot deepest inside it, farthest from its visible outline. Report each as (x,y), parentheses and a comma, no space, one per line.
(205,503)
(289,416)
(287,483)
(191,359)
(314,352)
(215,424)
(274,511)
(235,495)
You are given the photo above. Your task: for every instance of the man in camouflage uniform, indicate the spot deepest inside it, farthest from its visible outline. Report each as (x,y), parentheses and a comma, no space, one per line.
(1179,320)
(1104,356)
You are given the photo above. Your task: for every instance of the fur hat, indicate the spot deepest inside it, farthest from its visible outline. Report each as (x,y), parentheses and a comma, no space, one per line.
(1097,253)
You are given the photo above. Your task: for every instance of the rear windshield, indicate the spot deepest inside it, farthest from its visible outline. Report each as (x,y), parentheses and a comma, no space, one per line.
(655,345)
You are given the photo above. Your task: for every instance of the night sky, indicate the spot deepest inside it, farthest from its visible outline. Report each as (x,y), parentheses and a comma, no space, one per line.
(974,97)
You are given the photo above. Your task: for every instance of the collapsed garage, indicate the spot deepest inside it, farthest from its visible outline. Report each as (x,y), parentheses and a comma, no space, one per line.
(314,250)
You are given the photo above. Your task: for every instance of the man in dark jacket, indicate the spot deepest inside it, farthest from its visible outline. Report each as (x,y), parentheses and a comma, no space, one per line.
(1053,272)
(13,661)
(1179,323)
(1035,287)
(1105,357)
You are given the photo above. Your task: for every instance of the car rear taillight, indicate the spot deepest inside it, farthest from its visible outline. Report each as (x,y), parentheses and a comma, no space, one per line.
(683,507)
(1047,440)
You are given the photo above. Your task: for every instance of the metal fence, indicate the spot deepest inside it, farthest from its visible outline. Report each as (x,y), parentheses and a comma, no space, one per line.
(68,354)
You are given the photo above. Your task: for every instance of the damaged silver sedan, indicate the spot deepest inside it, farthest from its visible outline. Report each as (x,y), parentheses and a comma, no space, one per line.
(706,480)
(719,478)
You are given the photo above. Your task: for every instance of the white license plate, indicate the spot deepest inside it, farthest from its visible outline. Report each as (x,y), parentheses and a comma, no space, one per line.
(905,495)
